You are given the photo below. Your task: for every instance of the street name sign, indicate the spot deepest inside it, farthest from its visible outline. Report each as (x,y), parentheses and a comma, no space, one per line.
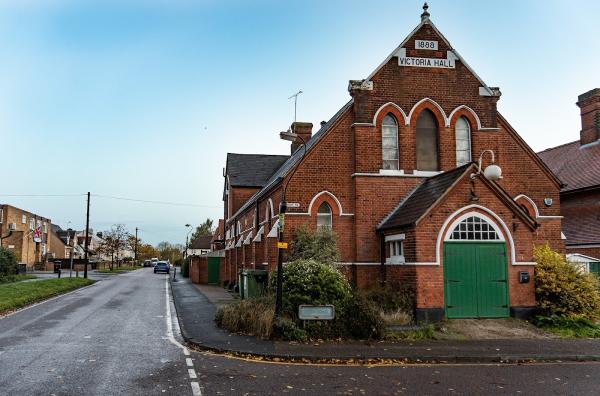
(316,312)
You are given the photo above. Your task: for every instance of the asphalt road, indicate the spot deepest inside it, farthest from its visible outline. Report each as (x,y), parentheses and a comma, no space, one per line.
(113,338)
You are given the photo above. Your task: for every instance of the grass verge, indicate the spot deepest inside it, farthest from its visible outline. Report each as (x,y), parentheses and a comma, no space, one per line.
(15,278)
(118,270)
(568,326)
(21,294)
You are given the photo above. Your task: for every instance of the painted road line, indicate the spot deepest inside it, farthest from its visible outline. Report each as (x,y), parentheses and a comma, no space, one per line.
(196,389)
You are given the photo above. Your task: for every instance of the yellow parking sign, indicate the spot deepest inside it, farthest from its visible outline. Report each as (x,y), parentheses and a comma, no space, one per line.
(282,245)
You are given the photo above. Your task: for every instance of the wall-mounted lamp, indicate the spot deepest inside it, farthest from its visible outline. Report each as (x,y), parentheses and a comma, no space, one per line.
(492,172)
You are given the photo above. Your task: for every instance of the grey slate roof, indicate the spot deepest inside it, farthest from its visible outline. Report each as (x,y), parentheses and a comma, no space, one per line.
(420,199)
(202,242)
(252,170)
(577,167)
(294,159)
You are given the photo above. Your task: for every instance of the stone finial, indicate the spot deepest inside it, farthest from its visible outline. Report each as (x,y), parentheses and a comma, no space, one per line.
(425,14)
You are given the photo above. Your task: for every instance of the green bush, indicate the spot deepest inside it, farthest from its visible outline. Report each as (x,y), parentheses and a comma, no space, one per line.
(8,262)
(310,282)
(563,289)
(317,245)
(313,283)
(185,268)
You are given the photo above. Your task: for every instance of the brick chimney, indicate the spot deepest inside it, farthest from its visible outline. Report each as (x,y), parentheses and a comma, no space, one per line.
(589,103)
(302,129)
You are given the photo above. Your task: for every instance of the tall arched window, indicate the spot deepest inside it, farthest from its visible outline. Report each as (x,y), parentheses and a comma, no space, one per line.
(427,142)
(463,142)
(389,142)
(324,217)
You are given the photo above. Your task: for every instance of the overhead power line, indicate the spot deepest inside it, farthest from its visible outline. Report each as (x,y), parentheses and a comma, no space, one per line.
(155,202)
(42,195)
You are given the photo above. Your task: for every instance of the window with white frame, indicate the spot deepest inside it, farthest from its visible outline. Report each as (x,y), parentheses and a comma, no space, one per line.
(389,143)
(45,228)
(474,228)
(43,249)
(32,224)
(1,215)
(24,219)
(396,249)
(395,244)
(463,141)
(38,224)
(324,216)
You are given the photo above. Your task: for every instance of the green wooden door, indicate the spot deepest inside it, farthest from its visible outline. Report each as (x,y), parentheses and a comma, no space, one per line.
(214,270)
(475,280)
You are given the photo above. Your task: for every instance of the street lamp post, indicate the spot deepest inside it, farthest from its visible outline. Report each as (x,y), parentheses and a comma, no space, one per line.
(289,136)
(186,241)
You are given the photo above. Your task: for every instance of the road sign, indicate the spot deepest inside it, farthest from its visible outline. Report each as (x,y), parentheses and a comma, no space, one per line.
(282,245)
(293,204)
(316,312)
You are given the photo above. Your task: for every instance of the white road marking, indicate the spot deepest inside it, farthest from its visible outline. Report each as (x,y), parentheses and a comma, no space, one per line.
(189,362)
(196,391)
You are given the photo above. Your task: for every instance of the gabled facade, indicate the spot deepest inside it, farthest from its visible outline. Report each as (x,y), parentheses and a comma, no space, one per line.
(392,175)
(577,165)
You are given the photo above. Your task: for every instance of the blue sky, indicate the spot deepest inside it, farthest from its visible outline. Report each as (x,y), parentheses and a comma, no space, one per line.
(143,99)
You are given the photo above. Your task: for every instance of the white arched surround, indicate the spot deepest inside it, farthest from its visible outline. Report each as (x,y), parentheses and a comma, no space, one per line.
(395,106)
(464,216)
(470,110)
(526,198)
(314,199)
(270,201)
(435,104)
(494,219)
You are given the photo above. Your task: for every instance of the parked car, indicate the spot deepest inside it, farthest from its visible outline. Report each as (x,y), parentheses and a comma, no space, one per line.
(162,266)
(147,263)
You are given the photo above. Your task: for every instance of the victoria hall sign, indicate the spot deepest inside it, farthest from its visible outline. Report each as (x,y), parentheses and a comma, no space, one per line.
(440,63)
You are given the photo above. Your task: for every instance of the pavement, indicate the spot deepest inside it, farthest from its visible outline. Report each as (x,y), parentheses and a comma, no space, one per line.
(196,312)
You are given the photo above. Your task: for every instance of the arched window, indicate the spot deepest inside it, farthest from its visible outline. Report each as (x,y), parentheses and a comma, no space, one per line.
(389,142)
(474,228)
(324,217)
(427,142)
(463,142)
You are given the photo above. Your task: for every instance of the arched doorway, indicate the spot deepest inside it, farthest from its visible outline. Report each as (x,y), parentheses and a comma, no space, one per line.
(475,269)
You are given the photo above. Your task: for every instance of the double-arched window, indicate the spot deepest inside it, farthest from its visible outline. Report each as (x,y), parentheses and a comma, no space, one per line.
(427,142)
(389,142)
(463,141)
(324,216)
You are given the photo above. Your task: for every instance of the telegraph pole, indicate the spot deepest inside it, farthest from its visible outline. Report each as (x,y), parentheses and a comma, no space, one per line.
(87,231)
(135,249)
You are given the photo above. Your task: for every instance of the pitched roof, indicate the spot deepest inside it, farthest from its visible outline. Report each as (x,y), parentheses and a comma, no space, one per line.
(582,226)
(295,158)
(252,170)
(421,198)
(202,242)
(219,234)
(575,166)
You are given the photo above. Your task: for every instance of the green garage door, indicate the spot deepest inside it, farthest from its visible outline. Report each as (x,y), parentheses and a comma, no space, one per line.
(214,270)
(475,280)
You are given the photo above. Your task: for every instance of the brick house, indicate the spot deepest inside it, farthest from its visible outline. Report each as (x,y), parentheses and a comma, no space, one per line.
(392,174)
(577,165)
(26,234)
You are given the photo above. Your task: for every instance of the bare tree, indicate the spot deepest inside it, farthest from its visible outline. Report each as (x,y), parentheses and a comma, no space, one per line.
(114,242)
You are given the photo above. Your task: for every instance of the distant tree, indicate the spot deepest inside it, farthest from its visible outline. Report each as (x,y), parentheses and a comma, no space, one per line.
(169,251)
(203,229)
(115,240)
(146,251)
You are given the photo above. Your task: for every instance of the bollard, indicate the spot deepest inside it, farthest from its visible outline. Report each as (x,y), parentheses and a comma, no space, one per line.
(174,272)
(59,271)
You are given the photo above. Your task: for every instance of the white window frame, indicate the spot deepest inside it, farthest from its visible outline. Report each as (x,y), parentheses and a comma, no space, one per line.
(1,215)
(394,134)
(45,227)
(456,140)
(480,216)
(32,224)
(24,219)
(396,249)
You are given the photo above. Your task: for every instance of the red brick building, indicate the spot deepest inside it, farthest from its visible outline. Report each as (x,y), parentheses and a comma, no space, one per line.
(392,175)
(577,165)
